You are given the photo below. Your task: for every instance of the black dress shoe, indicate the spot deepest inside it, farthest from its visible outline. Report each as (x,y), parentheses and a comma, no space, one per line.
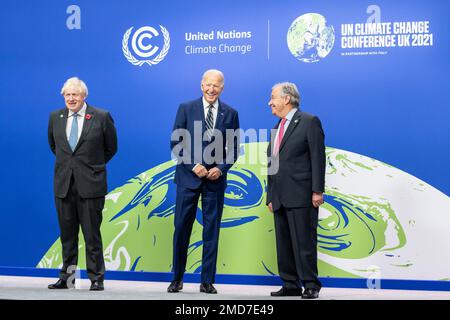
(208,288)
(175,286)
(97,286)
(310,293)
(285,292)
(60,284)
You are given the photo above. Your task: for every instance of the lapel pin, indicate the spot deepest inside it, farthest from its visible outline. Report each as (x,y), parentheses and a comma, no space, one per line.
(296,121)
(61,116)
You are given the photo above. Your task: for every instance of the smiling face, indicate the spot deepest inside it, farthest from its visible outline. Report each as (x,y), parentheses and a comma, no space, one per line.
(212,86)
(74,98)
(279,104)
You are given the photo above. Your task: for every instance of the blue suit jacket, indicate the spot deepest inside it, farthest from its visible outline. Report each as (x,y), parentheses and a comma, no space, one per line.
(191,118)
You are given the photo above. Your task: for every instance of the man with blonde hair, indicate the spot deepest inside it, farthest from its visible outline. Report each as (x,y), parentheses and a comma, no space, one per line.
(83,139)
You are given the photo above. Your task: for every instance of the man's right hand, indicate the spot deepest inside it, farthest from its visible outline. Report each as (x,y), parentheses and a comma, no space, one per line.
(200,171)
(270,207)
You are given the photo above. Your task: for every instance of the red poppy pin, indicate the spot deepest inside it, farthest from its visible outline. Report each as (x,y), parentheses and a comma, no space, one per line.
(88,116)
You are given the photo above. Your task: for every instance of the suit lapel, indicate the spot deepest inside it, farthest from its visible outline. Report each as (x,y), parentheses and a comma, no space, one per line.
(273,134)
(220,117)
(87,124)
(199,114)
(294,122)
(62,124)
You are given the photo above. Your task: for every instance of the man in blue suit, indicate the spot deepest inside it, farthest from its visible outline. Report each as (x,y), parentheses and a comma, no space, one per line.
(205,141)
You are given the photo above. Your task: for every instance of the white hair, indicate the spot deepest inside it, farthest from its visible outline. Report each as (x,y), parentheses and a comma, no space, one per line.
(214,71)
(77,83)
(289,89)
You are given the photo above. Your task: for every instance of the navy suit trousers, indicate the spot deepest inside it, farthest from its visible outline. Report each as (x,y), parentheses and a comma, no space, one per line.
(185,213)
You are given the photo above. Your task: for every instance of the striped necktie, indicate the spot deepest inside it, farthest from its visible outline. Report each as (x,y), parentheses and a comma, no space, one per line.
(209,122)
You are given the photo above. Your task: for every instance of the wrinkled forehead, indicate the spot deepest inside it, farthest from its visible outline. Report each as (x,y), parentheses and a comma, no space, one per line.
(276,91)
(73,89)
(214,78)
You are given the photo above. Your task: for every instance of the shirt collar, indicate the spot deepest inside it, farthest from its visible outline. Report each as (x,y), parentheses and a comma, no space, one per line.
(81,113)
(290,114)
(206,104)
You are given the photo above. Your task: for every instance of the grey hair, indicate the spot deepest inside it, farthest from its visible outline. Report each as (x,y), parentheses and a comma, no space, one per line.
(75,82)
(289,89)
(220,73)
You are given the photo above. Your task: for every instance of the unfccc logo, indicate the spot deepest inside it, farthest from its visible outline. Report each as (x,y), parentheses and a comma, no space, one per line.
(148,50)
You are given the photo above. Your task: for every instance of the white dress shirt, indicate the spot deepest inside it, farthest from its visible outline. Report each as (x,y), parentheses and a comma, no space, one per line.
(81,115)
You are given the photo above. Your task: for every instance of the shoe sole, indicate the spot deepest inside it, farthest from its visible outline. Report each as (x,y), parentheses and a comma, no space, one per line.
(204,291)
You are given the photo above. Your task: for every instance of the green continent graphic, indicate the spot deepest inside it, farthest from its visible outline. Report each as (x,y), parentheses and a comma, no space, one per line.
(137,227)
(309,38)
(354,227)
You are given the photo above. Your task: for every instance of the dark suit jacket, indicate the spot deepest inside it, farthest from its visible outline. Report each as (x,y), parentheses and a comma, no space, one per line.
(189,113)
(301,160)
(96,146)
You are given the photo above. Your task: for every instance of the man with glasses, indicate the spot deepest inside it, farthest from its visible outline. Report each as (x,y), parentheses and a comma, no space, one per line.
(296,183)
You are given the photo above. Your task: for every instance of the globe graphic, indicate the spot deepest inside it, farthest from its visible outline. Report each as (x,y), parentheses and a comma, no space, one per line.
(309,38)
(375,217)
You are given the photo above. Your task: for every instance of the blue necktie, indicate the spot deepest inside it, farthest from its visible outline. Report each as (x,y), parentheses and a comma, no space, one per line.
(74,132)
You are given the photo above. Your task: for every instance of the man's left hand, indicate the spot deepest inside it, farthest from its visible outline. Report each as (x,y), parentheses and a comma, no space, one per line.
(317,199)
(214,174)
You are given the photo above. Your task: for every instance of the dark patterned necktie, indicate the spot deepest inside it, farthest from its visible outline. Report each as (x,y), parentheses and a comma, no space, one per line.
(209,122)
